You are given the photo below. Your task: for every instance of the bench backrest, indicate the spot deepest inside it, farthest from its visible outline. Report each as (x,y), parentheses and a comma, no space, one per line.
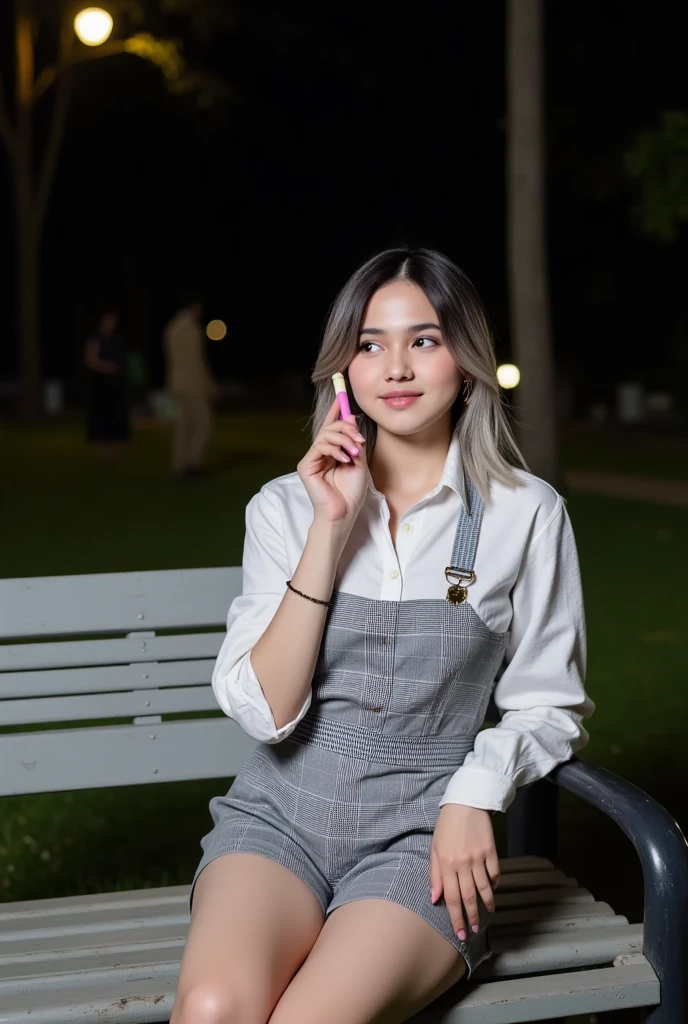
(105,680)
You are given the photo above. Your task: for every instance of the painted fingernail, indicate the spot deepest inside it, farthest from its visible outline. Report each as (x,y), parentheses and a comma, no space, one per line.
(462,935)
(359,438)
(354,451)
(474,928)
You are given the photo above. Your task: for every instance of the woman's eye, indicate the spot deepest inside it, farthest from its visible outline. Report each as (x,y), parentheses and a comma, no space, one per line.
(362,346)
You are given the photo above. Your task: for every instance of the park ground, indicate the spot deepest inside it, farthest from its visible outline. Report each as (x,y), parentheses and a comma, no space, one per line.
(64,510)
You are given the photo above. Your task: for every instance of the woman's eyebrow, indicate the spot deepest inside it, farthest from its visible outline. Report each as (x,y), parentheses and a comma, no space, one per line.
(412,327)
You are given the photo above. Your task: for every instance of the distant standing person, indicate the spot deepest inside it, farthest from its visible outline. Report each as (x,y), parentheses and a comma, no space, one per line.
(191,384)
(107,420)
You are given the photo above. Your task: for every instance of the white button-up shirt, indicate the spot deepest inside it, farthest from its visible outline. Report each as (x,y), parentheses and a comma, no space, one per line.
(527,581)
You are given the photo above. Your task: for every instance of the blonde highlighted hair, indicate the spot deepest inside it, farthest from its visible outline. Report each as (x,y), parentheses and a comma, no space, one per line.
(488,448)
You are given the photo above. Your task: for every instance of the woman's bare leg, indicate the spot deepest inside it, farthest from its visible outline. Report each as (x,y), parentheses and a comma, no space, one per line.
(374,962)
(253,924)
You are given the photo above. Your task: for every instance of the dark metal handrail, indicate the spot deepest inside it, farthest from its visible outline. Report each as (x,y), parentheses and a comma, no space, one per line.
(660,845)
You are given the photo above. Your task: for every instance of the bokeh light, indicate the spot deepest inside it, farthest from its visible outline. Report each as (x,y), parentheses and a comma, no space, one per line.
(93,26)
(508,375)
(216,330)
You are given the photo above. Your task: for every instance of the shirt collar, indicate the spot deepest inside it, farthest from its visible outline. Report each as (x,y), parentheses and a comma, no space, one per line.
(452,475)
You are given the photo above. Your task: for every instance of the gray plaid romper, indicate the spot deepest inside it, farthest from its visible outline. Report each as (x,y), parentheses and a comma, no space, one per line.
(349,800)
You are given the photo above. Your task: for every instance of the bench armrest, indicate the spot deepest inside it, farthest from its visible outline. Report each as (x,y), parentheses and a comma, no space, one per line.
(660,845)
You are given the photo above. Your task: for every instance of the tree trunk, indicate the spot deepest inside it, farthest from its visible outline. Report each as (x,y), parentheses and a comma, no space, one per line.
(26,226)
(28,299)
(526,242)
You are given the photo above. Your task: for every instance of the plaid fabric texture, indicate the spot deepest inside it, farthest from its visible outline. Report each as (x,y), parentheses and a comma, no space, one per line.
(349,800)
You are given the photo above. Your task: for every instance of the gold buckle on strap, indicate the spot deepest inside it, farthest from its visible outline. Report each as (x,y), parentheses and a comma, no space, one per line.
(457,592)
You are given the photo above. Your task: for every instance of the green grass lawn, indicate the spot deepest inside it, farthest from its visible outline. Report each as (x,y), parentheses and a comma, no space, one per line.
(635,451)
(65,511)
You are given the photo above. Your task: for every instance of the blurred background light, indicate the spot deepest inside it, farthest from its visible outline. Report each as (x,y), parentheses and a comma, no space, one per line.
(216,330)
(508,375)
(93,26)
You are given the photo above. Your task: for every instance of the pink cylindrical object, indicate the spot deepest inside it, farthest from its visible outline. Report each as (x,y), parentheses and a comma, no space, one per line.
(342,397)
(344,407)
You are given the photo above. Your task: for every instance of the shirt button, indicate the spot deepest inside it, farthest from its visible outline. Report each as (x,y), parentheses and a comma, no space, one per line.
(408,528)
(394,574)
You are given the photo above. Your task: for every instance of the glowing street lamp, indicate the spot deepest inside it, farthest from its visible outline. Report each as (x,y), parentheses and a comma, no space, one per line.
(216,330)
(508,375)
(93,26)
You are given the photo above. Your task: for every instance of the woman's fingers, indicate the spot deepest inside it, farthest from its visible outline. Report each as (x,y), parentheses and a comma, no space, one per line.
(344,434)
(469,897)
(452,897)
(344,427)
(484,888)
(435,876)
(493,869)
(328,448)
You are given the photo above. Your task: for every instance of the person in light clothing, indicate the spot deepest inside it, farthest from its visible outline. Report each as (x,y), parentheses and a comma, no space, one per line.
(408,570)
(192,386)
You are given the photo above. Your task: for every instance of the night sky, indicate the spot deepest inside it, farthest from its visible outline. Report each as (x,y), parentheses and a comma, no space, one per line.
(350,127)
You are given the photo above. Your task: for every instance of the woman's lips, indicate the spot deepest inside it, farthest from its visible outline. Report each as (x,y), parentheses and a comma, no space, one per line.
(402,402)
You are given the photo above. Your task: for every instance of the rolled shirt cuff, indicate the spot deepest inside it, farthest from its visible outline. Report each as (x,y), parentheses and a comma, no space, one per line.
(481,788)
(271,734)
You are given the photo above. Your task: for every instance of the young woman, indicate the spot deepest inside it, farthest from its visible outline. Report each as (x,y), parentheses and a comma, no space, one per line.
(409,564)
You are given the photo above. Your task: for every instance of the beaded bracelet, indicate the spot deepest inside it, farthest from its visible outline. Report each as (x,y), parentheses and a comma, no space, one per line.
(314,599)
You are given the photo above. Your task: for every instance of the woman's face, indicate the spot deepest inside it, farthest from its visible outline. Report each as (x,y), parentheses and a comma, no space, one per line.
(401,348)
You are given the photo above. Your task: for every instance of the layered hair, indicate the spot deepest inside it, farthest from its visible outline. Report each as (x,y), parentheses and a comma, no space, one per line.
(488,448)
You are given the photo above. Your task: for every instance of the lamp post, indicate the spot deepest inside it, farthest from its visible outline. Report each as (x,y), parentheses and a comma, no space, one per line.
(93,26)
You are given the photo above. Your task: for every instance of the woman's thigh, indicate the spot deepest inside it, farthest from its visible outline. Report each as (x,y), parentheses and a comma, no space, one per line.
(253,924)
(374,962)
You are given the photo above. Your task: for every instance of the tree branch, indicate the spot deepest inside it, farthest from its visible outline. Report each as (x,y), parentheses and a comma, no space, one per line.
(44,81)
(7,130)
(50,74)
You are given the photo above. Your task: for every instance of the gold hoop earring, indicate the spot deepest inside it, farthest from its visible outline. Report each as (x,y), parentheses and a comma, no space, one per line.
(467,390)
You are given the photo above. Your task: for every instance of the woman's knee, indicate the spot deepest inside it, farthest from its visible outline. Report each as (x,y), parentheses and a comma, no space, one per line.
(209,1002)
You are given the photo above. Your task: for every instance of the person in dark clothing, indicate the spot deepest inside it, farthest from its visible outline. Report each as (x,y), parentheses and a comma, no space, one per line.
(107,420)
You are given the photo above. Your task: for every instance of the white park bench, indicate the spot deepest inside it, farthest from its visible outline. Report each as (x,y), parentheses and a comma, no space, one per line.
(115,956)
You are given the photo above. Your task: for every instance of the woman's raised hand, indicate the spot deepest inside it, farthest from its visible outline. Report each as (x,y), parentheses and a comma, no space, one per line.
(334,470)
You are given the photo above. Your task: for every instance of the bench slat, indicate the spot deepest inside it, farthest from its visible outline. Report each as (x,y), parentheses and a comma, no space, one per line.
(106,679)
(515,954)
(117,602)
(139,900)
(121,651)
(110,981)
(109,705)
(539,998)
(562,925)
(535,880)
(146,1000)
(161,937)
(121,916)
(174,895)
(59,971)
(532,897)
(121,755)
(114,918)
(547,914)
(528,954)
(137,1001)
